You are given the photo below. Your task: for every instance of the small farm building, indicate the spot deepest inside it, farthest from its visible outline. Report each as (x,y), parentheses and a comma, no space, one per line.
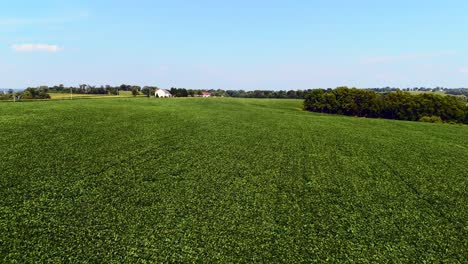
(162,93)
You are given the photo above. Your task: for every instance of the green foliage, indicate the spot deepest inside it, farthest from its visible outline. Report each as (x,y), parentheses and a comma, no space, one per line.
(6,96)
(149,90)
(394,105)
(36,93)
(291,94)
(135,91)
(89,89)
(226,181)
(431,119)
(458,91)
(179,92)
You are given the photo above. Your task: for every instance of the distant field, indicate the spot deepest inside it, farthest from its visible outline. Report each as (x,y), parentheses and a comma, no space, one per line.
(422,92)
(63,96)
(439,93)
(227,180)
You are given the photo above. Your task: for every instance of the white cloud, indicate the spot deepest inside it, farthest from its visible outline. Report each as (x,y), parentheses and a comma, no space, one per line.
(464,70)
(36,47)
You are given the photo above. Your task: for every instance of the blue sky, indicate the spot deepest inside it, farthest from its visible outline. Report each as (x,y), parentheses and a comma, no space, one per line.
(255,44)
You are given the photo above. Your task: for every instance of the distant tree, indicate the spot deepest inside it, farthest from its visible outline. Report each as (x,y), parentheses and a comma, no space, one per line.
(183,92)
(292,94)
(135,91)
(35,93)
(147,90)
(174,91)
(125,87)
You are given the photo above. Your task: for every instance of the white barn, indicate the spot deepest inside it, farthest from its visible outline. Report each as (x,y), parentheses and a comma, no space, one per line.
(162,93)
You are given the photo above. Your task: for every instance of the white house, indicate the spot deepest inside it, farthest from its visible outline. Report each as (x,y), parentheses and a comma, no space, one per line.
(162,93)
(206,94)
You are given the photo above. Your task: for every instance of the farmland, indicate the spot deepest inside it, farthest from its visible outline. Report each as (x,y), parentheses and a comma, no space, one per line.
(227,180)
(66,96)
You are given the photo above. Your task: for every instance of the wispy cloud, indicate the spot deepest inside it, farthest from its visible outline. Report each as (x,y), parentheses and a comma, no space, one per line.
(464,70)
(36,47)
(405,57)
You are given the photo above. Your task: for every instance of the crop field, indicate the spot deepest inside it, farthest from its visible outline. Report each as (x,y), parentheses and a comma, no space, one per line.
(66,96)
(227,180)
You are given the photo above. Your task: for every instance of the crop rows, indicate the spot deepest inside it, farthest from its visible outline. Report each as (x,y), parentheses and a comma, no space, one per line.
(227,180)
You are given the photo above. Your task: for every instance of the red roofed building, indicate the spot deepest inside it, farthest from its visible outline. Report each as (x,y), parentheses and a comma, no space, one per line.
(206,94)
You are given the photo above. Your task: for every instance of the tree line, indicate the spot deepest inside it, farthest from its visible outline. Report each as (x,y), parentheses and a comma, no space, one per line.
(176,92)
(398,104)
(452,91)
(457,91)
(29,93)
(291,94)
(88,89)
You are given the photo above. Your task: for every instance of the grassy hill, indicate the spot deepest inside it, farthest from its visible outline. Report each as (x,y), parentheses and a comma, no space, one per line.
(227,180)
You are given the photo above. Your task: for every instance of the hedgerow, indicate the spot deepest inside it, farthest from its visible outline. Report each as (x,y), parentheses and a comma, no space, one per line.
(394,105)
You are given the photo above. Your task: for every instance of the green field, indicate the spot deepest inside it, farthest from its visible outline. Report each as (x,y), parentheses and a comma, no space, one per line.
(67,96)
(227,180)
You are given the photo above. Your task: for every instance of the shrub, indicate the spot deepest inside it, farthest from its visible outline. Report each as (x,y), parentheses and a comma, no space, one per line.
(431,119)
